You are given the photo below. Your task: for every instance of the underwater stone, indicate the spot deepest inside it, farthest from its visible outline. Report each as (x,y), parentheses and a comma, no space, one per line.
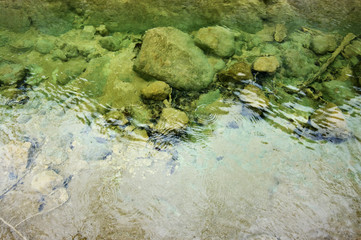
(116,117)
(110,43)
(71,51)
(11,73)
(330,122)
(68,71)
(44,46)
(46,181)
(59,54)
(321,44)
(217,63)
(280,32)
(102,30)
(254,97)
(236,72)
(266,64)
(157,90)
(170,55)
(357,71)
(88,32)
(22,45)
(218,40)
(336,91)
(171,119)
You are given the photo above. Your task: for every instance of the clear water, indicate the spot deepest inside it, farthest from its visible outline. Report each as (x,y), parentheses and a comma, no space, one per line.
(236,176)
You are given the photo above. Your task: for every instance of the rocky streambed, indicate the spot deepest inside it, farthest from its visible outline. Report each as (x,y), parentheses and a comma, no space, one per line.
(107,91)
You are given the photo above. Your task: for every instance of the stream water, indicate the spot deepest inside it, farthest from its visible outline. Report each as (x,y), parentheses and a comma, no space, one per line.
(234,172)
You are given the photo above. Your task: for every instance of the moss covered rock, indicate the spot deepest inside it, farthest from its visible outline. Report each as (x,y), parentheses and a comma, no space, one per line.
(321,44)
(218,40)
(236,72)
(11,73)
(170,55)
(266,64)
(157,90)
(280,32)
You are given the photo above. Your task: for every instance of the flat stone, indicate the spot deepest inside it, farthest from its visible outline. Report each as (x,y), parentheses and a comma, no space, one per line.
(157,90)
(218,40)
(266,64)
(44,182)
(168,54)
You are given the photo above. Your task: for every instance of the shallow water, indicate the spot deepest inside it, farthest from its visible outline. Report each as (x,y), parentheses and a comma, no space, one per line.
(236,173)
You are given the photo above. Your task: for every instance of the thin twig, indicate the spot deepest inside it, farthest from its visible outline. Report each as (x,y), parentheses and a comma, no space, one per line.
(13,228)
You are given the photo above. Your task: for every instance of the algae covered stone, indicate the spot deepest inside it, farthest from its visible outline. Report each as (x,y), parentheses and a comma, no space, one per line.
(236,72)
(330,122)
(218,40)
(280,32)
(321,44)
(254,97)
(172,119)
(266,64)
(11,73)
(170,55)
(157,90)
(44,46)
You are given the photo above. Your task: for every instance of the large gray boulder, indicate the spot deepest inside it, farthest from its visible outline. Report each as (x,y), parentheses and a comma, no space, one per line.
(170,55)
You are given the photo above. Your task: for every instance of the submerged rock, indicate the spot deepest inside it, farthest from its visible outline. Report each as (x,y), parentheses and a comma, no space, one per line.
(116,117)
(336,91)
(330,122)
(110,43)
(157,90)
(254,97)
(321,44)
(171,119)
(280,32)
(170,55)
(46,181)
(218,40)
(236,72)
(266,64)
(353,49)
(11,73)
(44,46)
(68,71)
(102,30)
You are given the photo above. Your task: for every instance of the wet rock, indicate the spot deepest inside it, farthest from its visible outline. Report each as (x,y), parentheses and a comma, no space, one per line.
(68,71)
(14,159)
(217,63)
(336,91)
(266,64)
(59,54)
(71,51)
(280,32)
(22,45)
(171,119)
(138,135)
(11,73)
(102,30)
(170,55)
(44,182)
(116,117)
(330,122)
(157,90)
(208,105)
(236,72)
(254,97)
(218,40)
(298,62)
(44,46)
(110,43)
(88,32)
(321,44)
